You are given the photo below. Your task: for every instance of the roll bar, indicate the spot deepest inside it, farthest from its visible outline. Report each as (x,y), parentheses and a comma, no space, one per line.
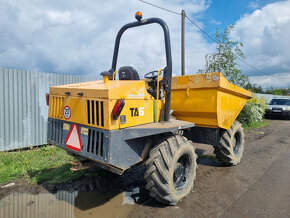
(166,81)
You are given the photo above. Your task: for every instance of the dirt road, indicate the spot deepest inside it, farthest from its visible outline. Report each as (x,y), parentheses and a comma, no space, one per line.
(258,186)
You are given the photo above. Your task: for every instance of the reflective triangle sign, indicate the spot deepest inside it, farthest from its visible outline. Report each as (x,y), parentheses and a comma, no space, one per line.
(73,140)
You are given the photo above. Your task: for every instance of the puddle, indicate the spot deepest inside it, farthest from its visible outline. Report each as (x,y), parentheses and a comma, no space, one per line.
(69,204)
(93,204)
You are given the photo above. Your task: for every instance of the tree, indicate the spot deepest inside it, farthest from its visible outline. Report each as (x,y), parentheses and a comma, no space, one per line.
(254,88)
(276,91)
(225,58)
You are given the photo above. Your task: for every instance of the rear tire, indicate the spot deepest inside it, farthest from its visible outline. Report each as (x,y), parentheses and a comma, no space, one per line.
(231,145)
(171,169)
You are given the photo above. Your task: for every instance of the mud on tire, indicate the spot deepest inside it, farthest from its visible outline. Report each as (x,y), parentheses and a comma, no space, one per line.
(231,145)
(171,169)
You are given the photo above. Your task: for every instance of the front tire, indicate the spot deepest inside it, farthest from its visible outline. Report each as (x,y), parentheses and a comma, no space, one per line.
(171,169)
(231,145)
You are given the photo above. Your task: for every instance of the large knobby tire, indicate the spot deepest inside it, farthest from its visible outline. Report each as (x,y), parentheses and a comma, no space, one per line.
(231,145)
(171,169)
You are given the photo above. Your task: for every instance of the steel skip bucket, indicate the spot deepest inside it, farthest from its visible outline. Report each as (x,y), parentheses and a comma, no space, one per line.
(208,100)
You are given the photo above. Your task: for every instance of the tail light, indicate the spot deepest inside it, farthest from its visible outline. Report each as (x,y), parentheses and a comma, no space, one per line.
(47,99)
(118,108)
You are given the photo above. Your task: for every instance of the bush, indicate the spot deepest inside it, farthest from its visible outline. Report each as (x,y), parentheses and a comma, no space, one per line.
(253,111)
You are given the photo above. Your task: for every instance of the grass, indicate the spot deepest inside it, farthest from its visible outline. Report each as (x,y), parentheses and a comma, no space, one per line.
(254,125)
(38,165)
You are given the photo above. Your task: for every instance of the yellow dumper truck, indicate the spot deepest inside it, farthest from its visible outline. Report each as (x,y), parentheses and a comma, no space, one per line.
(118,123)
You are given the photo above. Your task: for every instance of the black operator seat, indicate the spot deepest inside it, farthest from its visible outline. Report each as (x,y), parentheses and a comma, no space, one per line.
(128,73)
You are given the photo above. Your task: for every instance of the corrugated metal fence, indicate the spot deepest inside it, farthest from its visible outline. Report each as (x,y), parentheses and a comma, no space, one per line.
(23,109)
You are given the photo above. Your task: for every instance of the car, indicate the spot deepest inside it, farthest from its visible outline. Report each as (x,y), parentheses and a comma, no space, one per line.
(278,108)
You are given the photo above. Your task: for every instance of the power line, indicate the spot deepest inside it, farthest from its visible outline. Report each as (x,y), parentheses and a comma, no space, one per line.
(209,36)
(240,59)
(258,70)
(165,9)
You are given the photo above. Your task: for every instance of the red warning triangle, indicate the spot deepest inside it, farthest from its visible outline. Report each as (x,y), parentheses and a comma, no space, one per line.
(73,140)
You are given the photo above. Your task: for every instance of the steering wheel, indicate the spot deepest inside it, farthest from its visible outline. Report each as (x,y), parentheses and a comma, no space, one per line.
(152,74)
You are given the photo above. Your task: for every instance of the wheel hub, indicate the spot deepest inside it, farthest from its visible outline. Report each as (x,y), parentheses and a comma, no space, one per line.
(237,143)
(178,176)
(181,171)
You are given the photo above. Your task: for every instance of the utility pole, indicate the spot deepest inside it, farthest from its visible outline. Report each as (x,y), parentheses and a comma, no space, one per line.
(182,42)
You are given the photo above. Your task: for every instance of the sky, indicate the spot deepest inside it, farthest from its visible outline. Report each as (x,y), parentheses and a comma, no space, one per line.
(77,37)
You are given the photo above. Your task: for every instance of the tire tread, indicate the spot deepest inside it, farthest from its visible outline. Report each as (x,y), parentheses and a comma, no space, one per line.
(158,166)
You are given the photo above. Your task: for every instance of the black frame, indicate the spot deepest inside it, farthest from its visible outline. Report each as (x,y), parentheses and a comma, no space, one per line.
(166,81)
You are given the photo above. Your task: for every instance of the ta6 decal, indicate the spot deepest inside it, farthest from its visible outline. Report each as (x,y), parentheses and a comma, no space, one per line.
(135,112)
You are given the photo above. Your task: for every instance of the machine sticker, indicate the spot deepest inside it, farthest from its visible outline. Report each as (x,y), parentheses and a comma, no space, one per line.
(208,77)
(84,131)
(66,126)
(66,112)
(123,119)
(137,94)
(215,78)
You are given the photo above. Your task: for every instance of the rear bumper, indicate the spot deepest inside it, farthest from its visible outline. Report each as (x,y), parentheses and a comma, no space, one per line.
(95,142)
(283,113)
(115,150)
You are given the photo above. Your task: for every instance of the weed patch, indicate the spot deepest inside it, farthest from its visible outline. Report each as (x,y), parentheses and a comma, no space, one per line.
(38,165)
(258,124)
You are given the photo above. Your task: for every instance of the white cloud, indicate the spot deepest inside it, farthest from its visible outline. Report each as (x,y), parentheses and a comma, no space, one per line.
(272,81)
(265,34)
(215,22)
(77,37)
(253,5)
